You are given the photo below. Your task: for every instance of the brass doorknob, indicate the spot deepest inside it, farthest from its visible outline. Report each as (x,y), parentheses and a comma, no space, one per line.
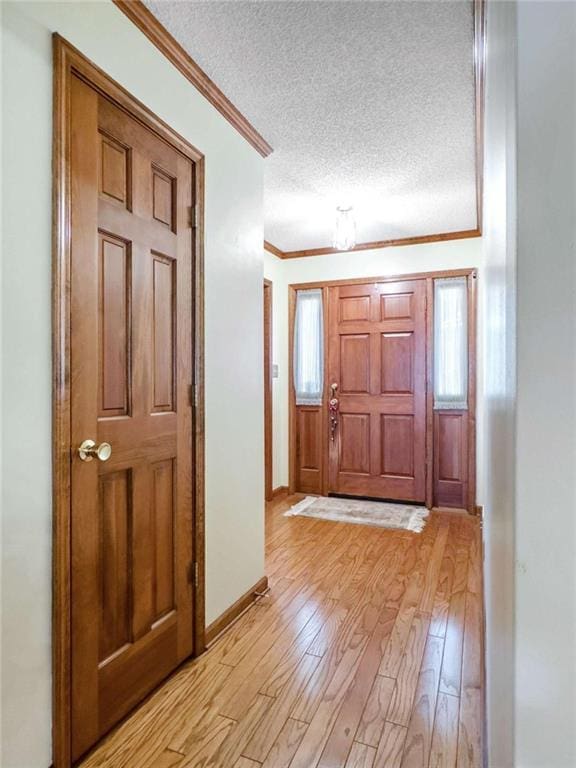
(89,450)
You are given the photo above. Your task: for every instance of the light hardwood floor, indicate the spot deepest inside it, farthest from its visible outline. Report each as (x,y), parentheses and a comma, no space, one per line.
(366,654)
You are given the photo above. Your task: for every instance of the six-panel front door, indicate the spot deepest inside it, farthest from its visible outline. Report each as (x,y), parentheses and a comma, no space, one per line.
(377,364)
(131,378)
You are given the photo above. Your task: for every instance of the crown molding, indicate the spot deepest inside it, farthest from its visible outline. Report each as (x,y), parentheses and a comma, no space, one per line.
(272,249)
(464,234)
(149,25)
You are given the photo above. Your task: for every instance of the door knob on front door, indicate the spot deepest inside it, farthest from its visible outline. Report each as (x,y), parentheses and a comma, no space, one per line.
(89,450)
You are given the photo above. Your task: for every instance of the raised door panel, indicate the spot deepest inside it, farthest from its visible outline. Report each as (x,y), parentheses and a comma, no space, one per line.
(397,363)
(143,550)
(163,197)
(115,170)
(450,441)
(355,443)
(115,563)
(397,306)
(309,439)
(309,450)
(114,318)
(354,375)
(354,308)
(397,453)
(163,537)
(451,458)
(164,291)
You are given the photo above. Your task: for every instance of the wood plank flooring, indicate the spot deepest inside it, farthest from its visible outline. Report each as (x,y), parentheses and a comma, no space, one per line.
(366,654)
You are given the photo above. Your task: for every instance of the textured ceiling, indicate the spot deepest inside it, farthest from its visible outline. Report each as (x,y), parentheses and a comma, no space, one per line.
(369,104)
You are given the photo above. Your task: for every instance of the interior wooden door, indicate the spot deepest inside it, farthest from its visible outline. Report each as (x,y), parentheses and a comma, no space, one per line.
(131,383)
(377,360)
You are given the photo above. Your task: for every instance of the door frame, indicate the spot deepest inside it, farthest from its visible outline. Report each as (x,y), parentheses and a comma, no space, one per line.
(268,391)
(471,274)
(69,62)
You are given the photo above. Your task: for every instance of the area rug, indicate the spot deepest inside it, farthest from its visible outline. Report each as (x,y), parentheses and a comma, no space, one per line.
(380,513)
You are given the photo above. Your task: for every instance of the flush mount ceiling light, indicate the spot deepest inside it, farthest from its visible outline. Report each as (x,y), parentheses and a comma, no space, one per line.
(345,229)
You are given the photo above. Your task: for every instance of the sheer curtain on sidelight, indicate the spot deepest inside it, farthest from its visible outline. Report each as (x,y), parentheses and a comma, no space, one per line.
(309,347)
(451,343)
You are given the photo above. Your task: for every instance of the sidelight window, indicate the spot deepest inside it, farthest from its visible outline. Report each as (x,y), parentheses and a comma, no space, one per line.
(451,343)
(309,347)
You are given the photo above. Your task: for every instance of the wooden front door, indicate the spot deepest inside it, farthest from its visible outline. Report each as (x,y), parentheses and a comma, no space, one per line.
(377,362)
(132,352)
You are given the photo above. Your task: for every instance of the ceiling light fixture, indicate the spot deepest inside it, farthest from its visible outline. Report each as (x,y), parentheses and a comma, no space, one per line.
(345,230)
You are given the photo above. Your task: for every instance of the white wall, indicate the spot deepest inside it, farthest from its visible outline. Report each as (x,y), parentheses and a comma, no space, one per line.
(546,415)
(427,257)
(496,481)
(530,502)
(274,271)
(234,414)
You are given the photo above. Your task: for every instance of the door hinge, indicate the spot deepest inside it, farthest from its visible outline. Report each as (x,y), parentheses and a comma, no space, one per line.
(194,395)
(193,216)
(193,574)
